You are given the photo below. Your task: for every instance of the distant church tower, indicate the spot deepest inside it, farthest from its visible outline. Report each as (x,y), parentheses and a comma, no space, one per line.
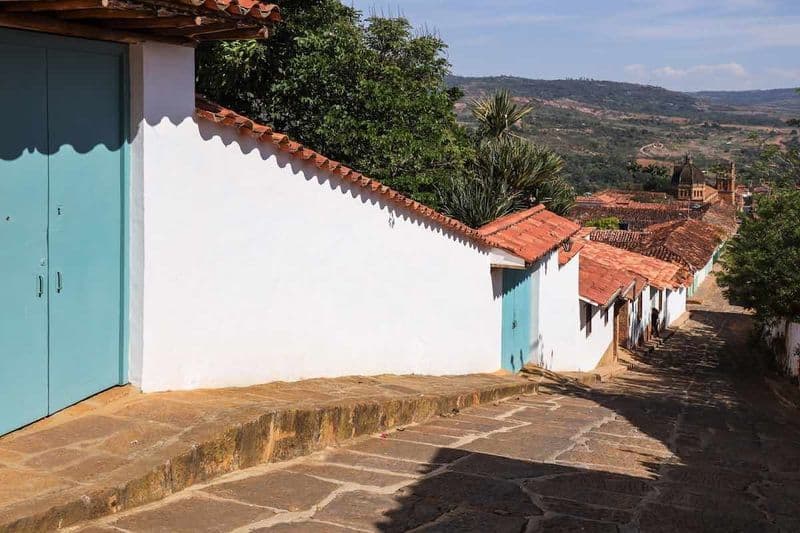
(689,181)
(726,184)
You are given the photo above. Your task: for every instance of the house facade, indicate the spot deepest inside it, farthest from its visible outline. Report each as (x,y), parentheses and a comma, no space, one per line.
(605,294)
(172,244)
(660,285)
(547,314)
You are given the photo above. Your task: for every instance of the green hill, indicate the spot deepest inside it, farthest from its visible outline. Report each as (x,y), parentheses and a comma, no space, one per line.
(600,126)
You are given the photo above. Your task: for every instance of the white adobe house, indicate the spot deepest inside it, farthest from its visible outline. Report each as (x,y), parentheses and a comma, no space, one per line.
(554,336)
(662,285)
(147,241)
(605,293)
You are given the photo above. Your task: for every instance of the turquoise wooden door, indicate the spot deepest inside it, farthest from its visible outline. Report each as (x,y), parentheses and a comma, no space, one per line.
(23,236)
(516,337)
(85,130)
(62,168)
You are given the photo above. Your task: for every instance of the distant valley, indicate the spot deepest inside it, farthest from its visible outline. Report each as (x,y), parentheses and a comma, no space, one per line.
(600,126)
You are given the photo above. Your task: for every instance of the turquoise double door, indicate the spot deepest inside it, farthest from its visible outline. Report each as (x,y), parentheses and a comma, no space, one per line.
(62,168)
(520,332)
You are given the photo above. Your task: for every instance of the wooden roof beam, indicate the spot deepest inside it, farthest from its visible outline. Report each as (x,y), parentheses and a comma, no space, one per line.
(31,6)
(158,22)
(190,31)
(75,29)
(102,13)
(232,35)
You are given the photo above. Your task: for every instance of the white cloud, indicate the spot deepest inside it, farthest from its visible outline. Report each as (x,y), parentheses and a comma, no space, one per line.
(723,69)
(693,77)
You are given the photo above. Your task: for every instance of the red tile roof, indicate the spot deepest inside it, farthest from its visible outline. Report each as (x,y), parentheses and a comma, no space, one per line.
(601,284)
(243,8)
(576,245)
(689,243)
(723,216)
(627,240)
(210,111)
(660,274)
(530,234)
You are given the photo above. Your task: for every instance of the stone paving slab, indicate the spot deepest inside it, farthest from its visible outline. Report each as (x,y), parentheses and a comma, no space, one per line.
(657,451)
(122,449)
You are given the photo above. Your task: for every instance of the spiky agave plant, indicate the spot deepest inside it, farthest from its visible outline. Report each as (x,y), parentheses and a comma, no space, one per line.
(508,173)
(476,200)
(497,114)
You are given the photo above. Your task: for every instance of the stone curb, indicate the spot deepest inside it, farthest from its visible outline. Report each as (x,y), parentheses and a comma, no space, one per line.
(277,435)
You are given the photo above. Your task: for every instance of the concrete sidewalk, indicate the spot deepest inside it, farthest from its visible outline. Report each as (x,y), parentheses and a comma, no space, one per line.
(122,449)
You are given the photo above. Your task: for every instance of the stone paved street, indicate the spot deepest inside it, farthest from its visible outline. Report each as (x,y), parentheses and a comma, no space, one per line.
(685,441)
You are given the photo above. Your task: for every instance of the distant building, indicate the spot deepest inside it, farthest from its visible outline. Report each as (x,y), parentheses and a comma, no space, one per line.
(692,197)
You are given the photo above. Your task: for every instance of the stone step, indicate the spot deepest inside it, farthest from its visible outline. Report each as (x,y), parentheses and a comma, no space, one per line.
(95,460)
(600,374)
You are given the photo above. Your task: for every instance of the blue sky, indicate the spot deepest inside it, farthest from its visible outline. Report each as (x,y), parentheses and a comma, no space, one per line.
(679,44)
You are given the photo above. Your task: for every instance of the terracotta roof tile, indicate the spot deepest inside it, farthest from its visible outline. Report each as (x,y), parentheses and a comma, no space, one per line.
(530,234)
(576,245)
(690,243)
(210,111)
(658,273)
(601,284)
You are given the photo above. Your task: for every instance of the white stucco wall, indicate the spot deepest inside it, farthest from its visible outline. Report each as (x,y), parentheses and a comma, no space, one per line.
(787,355)
(562,344)
(638,324)
(591,348)
(253,267)
(676,304)
(792,347)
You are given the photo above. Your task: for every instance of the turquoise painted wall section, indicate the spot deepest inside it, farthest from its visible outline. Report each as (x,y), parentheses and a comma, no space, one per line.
(517,319)
(62,182)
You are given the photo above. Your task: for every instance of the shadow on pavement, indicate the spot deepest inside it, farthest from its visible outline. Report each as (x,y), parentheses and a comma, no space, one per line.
(691,448)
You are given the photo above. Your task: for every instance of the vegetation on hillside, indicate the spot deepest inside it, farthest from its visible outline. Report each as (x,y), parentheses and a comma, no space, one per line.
(779,164)
(601,127)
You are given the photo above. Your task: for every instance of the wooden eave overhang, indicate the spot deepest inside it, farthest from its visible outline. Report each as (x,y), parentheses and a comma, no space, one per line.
(184,22)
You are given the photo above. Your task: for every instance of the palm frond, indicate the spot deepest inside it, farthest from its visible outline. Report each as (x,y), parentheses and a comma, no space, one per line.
(497,114)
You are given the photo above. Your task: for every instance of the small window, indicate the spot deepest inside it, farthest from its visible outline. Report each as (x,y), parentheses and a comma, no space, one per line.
(605,316)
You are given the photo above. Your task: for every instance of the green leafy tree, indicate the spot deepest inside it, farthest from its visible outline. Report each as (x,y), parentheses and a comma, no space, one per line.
(603,223)
(370,94)
(653,178)
(507,173)
(761,261)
